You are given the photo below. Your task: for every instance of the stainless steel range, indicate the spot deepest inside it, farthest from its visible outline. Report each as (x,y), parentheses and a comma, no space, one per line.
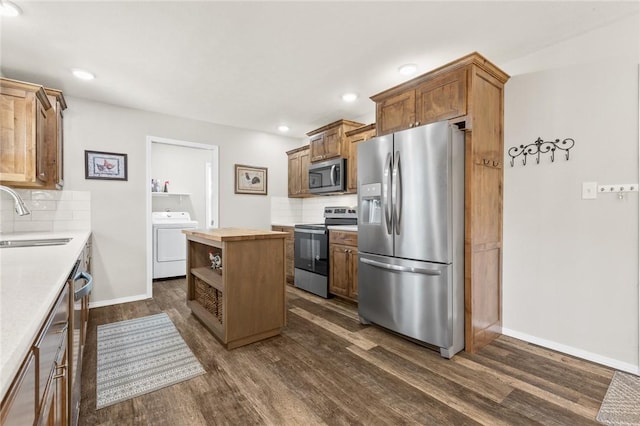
(311,248)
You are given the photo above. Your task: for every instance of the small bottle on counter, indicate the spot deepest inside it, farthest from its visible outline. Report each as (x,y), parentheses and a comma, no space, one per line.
(166,186)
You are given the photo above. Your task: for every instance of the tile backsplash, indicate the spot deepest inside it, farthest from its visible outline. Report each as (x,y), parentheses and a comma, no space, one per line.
(289,211)
(51,211)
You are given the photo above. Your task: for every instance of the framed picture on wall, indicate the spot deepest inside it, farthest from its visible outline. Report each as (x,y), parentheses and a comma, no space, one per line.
(250,180)
(105,165)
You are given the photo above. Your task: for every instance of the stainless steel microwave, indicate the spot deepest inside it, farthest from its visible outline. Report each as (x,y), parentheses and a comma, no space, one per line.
(328,176)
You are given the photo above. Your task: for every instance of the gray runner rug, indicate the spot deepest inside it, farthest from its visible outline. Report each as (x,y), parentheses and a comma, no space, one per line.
(621,405)
(139,356)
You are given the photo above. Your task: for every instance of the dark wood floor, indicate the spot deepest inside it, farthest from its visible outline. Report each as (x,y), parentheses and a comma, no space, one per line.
(326,368)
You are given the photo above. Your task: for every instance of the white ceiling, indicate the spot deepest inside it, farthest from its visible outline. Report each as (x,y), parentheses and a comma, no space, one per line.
(258,64)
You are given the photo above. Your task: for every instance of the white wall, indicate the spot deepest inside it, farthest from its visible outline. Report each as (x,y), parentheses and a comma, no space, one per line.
(291,211)
(51,211)
(185,169)
(118,209)
(570,272)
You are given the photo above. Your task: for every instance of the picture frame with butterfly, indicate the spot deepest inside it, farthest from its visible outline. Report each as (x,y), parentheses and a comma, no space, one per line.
(105,165)
(250,180)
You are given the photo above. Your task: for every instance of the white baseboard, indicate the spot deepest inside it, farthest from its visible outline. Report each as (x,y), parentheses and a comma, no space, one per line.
(101,303)
(579,353)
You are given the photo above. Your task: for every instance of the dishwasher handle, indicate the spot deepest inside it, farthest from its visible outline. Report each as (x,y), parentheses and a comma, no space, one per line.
(85,289)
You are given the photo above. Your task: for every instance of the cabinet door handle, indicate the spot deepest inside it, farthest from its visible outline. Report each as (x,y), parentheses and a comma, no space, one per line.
(63,329)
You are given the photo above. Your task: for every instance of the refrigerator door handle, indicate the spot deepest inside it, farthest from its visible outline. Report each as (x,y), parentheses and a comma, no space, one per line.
(382,265)
(385,192)
(396,195)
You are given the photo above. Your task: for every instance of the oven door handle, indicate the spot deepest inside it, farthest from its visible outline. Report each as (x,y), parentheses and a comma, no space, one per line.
(309,231)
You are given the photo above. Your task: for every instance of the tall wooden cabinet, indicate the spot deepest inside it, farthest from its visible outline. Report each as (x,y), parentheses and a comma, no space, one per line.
(468,92)
(30,135)
(354,137)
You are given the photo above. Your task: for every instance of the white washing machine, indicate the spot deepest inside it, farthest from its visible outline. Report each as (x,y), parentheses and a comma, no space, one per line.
(169,243)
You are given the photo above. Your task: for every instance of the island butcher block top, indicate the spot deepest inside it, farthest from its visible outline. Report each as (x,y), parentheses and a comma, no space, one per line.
(233,234)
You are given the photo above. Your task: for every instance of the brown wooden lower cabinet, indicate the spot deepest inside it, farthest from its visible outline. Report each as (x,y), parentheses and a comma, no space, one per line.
(288,250)
(38,394)
(343,264)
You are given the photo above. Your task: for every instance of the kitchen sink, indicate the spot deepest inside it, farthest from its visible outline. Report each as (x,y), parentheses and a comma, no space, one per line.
(34,243)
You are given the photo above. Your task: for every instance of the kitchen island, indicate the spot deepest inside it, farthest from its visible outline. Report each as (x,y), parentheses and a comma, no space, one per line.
(240,299)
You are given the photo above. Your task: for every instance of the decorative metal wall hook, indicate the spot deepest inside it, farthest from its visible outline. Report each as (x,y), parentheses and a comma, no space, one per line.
(540,147)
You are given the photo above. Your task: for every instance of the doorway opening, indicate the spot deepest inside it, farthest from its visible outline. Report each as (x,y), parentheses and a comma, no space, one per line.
(181,177)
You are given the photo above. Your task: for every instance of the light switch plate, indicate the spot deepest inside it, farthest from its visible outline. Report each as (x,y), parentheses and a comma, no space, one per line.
(589,190)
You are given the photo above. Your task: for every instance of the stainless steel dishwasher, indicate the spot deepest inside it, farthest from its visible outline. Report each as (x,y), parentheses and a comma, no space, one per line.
(81,284)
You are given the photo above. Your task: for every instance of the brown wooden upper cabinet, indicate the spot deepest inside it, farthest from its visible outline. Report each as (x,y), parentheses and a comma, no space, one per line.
(422,102)
(354,137)
(330,141)
(54,138)
(298,172)
(470,93)
(30,135)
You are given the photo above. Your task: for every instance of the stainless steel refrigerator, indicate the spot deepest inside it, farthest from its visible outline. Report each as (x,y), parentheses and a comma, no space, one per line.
(411,234)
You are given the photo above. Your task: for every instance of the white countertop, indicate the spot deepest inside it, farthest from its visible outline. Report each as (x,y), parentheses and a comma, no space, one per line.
(30,280)
(353,228)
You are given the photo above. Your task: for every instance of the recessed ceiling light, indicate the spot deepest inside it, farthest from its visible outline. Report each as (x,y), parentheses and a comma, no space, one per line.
(408,69)
(82,74)
(283,128)
(349,97)
(9,9)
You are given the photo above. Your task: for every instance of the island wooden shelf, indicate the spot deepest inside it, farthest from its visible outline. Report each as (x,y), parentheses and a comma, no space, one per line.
(209,276)
(244,300)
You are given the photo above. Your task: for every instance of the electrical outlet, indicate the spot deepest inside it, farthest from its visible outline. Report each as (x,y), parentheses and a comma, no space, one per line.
(589,190)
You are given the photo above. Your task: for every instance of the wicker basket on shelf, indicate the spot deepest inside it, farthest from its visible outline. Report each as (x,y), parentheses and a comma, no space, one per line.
(210,298)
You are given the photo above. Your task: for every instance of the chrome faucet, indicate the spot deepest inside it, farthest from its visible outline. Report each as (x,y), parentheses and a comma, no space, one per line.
(21,209)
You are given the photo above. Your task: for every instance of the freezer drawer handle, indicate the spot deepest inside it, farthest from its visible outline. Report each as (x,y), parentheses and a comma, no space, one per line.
(85,289)
(401,268)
